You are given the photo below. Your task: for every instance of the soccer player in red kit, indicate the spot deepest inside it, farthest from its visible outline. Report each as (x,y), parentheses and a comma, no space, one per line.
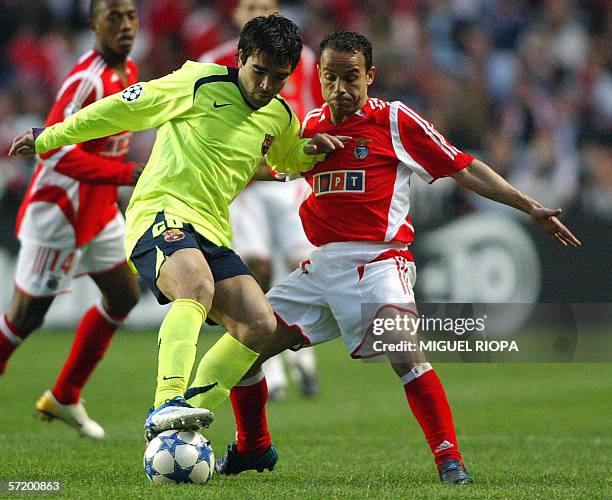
(69,223)
(265,216)
(358,216)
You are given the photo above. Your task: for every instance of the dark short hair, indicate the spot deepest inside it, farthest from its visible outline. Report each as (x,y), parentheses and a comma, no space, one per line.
(273,36)
(94,7)
(348,41)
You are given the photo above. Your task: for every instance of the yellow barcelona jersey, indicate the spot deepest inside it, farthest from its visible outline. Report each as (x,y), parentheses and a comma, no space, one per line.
(209,143)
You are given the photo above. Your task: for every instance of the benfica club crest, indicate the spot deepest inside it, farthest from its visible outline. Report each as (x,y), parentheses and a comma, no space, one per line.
(265,145)
(361,151)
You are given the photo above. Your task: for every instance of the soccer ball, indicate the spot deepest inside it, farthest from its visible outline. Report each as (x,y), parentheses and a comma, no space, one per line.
(179,457)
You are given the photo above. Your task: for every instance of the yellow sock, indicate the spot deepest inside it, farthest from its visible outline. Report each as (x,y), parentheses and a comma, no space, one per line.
(220,369)
(178,337)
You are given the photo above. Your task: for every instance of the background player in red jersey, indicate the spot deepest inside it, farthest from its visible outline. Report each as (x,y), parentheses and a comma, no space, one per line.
(363,272)
(69,223)
(268,233)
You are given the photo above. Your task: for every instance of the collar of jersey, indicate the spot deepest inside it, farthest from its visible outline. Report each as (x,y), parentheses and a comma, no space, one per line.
(363,112)
(128,60)
(233,74)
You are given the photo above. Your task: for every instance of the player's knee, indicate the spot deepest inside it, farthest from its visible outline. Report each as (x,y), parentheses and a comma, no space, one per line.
(204,291)
(263,326)
(198,288)
(192,285)
(258,332)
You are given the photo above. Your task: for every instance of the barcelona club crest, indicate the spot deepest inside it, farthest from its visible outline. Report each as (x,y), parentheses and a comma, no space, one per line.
(265,145)
(361,151)
(171,235)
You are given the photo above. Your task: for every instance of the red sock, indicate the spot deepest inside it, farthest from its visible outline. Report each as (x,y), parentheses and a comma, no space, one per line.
(10,338)
(249,404)
(428,403)
(92,338)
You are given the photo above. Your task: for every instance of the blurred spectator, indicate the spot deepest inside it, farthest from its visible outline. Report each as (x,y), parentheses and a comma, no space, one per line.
(546,172)
(597,193)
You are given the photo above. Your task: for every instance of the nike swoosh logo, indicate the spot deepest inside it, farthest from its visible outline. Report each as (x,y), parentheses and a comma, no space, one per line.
(215,105)
(168,378)
(194,391)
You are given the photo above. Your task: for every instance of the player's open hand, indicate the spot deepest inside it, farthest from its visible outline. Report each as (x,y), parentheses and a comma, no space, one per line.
(325,143)
(23,144)
(546,218)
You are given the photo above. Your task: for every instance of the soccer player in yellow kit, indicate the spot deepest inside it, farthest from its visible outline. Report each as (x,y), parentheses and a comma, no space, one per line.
(215,124)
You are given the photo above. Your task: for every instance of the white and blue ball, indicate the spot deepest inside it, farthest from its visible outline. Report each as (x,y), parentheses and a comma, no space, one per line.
(179,457)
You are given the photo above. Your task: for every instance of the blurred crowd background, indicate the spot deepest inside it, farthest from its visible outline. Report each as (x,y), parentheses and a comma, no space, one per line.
(525,85)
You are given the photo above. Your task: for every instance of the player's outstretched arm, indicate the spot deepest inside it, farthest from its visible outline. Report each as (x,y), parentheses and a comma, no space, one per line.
(481,179)
(82,166)
(141,106)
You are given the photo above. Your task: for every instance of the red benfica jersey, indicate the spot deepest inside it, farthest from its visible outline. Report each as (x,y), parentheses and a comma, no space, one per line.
(361,193)
(303,88)
(73,193)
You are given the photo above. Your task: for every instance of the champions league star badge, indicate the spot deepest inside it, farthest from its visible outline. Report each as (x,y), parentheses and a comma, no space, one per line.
(361,151)
(132,93)
(265,145)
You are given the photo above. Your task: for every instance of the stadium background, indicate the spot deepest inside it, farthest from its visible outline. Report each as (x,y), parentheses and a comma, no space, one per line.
(527,86)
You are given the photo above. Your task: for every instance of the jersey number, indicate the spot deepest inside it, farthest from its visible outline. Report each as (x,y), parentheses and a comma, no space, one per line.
(65,265)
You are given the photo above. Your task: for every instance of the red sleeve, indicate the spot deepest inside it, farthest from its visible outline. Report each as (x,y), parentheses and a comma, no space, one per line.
(74,161)
(423,148)
(91,169)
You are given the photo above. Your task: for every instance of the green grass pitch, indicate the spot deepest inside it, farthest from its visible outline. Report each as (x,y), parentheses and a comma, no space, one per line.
(526,431)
